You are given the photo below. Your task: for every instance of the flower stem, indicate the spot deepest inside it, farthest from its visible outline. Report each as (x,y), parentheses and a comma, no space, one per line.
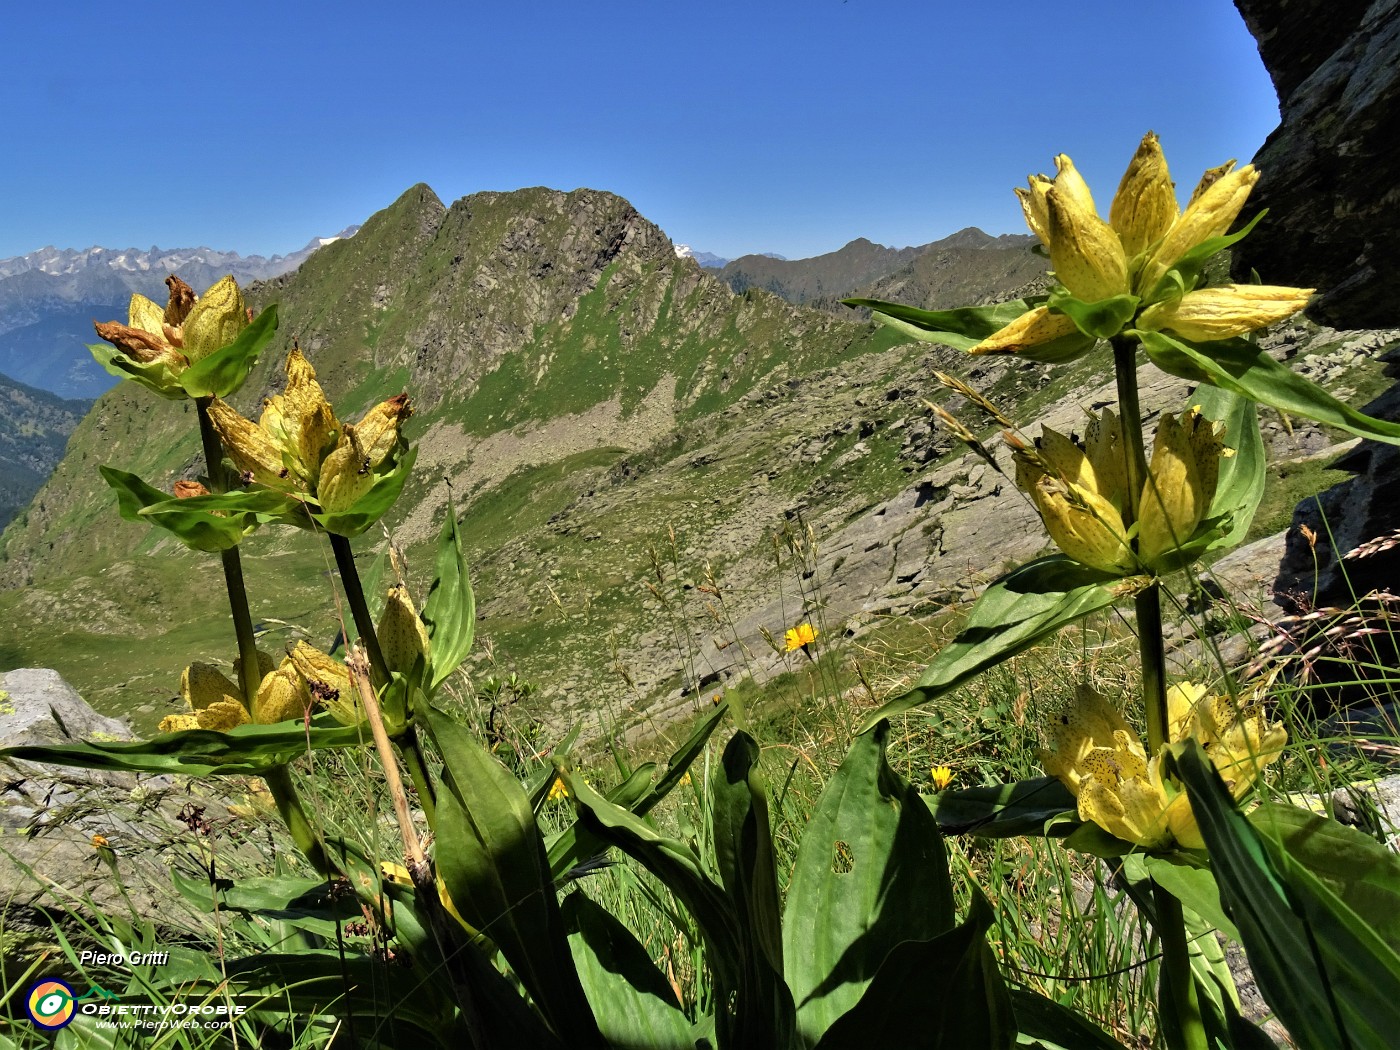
(359,608)
(1178,1003)
(284,793)
(364,624)
(1178,987)
(1149,601)
(249,671)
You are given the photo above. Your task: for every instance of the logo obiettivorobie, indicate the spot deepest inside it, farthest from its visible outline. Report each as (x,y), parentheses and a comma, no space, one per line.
(51,1004)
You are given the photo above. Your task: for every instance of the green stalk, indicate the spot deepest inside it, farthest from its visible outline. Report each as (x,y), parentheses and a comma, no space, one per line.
(364,625)
(359,608)
(1185,1030)
(278,778)
(249,672)
(1149,602)
(289,808)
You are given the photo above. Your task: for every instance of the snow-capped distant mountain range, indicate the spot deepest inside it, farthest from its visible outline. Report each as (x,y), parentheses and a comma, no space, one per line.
(49,299)
(711,261)
(66,261)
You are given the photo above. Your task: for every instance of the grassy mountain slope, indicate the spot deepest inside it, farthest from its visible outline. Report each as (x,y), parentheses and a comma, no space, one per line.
(532,328)
(34,428)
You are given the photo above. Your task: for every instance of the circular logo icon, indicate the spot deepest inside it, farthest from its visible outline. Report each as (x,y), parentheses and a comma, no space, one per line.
(50,1004)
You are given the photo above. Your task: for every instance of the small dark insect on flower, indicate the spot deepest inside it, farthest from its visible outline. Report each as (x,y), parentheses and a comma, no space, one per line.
(323,691)
(364,467)
(246,477)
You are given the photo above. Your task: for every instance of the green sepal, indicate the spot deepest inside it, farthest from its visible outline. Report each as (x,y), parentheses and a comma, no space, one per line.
(449,612)
(224,371)
(1025,807)
(1242,368)
(246,750)
(155,377)
(373,505)
(1185,274)
(1015,612)
(1098,320)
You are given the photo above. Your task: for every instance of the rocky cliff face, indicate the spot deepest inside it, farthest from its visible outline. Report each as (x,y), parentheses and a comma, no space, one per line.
(1332,181)
(1331,169)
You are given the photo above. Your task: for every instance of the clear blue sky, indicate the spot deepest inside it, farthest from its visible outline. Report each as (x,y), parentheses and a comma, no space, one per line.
(766,125)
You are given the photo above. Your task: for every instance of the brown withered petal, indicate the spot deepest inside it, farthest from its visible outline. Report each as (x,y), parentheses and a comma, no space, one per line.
(182,299)
(186,489)
(142,346)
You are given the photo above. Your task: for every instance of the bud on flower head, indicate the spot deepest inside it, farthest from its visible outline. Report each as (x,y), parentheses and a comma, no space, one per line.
(1144,207)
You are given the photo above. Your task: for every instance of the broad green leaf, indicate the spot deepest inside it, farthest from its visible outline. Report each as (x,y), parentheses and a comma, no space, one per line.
(223,371)
(1002,810)
(961,328)
(1015,612)
(248,750)
(681,759)
(449,613)
(576,843)
(966,327)
(492,860)
(744,854)
(1363,874)
(319,983)
(1326,972)
(680,870)
(635,1006)
(156,377)
(1188,878)
(871,873)
(1241,483)
(374,504)
(1045,1023)
(1099,320)
(197,526)
(1242,368)
(944,994)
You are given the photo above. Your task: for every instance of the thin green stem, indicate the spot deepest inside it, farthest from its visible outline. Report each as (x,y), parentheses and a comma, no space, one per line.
(1178,987)
(308,840)
(412,749)
(1149,602)
(1181,1011)
(364,624)
(249,671)
(359,608)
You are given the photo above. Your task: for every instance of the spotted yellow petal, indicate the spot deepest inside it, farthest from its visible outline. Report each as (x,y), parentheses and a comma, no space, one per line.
(215,321)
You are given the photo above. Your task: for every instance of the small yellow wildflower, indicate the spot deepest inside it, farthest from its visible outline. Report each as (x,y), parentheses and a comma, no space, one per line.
(557,791)
(100,842)
(942,776)
(799,637)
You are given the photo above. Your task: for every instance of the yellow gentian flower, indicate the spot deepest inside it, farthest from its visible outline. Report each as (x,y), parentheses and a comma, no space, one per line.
(159,343)
(1096,754)
(299,446)
(304,679)
(1145,236)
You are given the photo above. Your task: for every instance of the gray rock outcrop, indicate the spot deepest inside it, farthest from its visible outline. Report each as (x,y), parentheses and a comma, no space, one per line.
(1331,170)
